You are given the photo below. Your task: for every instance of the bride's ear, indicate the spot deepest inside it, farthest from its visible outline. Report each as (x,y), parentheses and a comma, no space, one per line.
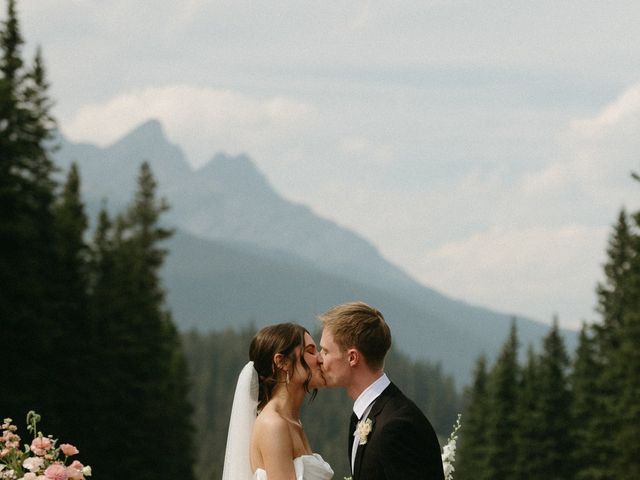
(279,362)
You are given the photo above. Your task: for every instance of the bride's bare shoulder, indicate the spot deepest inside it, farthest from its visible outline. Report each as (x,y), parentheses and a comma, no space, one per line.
(270,422)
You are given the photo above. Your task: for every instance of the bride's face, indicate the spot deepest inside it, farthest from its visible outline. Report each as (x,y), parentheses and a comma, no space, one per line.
(310,355)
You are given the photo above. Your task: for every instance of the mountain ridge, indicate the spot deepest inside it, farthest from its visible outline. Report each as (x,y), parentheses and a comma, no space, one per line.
(229,201)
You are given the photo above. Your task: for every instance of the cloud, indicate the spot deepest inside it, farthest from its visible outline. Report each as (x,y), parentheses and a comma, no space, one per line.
(515,269)
(201,120)
(598,154)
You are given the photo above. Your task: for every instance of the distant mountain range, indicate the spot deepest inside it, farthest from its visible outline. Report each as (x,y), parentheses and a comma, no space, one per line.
(243,253)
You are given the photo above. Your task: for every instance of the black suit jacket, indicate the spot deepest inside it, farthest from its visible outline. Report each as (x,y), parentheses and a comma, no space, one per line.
(402,443)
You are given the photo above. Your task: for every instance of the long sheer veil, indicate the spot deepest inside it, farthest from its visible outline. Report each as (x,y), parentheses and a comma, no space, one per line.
(237,463)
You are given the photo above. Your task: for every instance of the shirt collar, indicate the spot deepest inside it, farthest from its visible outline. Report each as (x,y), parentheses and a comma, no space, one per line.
(369,394)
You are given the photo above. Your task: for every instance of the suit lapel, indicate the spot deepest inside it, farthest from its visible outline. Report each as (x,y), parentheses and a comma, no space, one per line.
(376,409)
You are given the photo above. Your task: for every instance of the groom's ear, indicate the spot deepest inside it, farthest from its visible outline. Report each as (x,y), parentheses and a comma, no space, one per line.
(353,356)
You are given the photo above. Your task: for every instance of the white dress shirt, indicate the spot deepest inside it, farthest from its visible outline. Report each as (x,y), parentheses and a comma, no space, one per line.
(362,407)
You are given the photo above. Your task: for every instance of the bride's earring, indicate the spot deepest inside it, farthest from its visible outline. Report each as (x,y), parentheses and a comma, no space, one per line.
(287,378)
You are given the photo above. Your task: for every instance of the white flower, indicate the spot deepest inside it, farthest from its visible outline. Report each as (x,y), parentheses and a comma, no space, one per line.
(33,464)
(363,429)
(9,474)
(86,471)
(449,452)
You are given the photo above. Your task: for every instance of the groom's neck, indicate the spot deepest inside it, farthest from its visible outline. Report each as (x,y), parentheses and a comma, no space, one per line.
(361,380)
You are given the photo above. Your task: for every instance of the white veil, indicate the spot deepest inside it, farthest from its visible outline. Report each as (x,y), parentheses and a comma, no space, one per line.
(237,463)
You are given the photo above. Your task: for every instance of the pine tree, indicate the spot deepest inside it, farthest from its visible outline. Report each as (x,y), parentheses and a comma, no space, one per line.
(143,386)
(615,297)
(28,263)
(555,402)
(73,412)
(626,367)
(472,459)
(530,434)
(627,437)
(503,395)
(588,430)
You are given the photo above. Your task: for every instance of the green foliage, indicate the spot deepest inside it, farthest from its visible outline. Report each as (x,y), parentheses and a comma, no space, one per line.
(472,457)
(503,395)
(554,400)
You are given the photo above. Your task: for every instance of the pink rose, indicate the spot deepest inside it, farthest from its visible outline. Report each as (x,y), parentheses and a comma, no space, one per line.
(40,445)
(56,472)
(74,474)
(69,449)
(30,476)
(77,465)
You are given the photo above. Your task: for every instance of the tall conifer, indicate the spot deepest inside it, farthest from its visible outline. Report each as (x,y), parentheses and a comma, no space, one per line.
(588,430)
(28,263)
(529,464)
(555,448)
(143,382)
(626,365)
(472,459)
(503,394)
(73,412)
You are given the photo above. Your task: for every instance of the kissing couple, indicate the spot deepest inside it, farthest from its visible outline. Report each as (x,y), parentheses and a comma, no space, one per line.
(389,437)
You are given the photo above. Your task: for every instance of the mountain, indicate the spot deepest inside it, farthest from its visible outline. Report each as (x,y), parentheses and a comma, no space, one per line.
(244,253)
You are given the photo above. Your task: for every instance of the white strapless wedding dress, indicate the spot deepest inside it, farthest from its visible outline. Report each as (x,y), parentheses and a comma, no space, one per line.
(307,467)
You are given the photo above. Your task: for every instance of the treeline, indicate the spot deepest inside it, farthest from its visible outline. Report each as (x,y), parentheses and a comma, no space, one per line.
(87,340)
(556,417)
(216,358)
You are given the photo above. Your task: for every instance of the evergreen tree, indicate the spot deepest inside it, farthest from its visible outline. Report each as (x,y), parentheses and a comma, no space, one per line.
(530,435)
(626,366)
(627,437)
(502,419)
(615,298)
(73,413)
(554,400)
(143,381)
(28,263)
(588,429)
(471,462)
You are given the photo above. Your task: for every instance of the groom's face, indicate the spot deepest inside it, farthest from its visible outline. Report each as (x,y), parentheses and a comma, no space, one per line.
(334,361)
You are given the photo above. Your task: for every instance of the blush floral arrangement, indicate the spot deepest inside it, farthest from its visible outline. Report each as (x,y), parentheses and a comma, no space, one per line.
(43,459)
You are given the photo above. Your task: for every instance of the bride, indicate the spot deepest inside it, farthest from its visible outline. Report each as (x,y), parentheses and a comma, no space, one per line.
(266,440)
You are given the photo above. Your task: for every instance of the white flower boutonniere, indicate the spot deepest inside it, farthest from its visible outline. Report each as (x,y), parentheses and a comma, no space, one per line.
(363,429)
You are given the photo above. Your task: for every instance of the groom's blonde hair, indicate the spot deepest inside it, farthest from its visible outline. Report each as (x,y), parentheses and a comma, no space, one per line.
(357,325)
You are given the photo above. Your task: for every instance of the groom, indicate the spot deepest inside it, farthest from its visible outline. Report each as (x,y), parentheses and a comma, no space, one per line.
(389,437)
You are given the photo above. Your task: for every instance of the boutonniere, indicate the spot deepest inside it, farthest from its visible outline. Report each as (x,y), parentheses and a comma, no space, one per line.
(363,429)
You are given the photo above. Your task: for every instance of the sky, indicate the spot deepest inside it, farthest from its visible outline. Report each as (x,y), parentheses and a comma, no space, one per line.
(483,146)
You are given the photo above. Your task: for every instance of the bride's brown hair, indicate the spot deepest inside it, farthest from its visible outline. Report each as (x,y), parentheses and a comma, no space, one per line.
(281,338)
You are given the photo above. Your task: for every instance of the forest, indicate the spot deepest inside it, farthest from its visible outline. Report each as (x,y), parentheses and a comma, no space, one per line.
(89,341)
